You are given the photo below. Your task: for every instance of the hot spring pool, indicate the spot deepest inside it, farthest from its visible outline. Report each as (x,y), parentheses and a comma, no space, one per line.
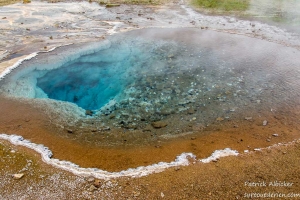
(184,77)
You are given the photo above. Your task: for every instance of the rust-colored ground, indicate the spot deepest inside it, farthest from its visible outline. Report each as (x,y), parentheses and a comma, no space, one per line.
(31,123)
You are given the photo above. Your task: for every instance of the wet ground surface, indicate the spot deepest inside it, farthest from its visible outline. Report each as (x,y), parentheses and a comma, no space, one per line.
(206,181)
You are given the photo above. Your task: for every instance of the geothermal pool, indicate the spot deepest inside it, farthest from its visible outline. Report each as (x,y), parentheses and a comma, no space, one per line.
(146,86)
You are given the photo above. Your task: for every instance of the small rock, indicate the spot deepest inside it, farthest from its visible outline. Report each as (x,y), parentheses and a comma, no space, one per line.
(248,118)
(92,188)
(159,124)
(90,179)
(3,17)
(191,111)
(265,122)
(231,20)
(97,183)
(106,128)
(177,168)
(193,138)
(112,116)
(268,140)
(162,194)
(89,112)
(136,194)
(235,126)
(275,135)
(18,176)
(194,118)
(69,131)
(220,119)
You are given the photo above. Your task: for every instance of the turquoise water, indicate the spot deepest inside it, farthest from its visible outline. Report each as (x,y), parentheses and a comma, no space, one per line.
(89,81)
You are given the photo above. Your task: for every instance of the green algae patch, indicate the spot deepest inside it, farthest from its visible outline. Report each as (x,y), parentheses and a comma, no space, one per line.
(8,2)
(110,5)
(222,5)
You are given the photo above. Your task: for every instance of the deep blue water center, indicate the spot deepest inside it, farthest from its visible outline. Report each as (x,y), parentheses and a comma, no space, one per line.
(90,81)
(88,85)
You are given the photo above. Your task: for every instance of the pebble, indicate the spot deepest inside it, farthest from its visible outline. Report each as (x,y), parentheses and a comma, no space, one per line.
(69,131)
(136,194)
(89,112)
(162,194)
(106,128)
(92,188)
(177,168)
(90,179)
(193,138)
(248,118)
(220,119)
(265,122)
(268,140)
(112,116)
(191,111)
(159,124)
(275,135)
(97,183)
(18,176)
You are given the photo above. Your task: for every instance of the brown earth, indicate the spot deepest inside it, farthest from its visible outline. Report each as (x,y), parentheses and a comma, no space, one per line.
(228,178)
(33,124)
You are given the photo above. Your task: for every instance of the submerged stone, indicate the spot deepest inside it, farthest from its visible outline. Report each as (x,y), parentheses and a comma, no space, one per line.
(159,124)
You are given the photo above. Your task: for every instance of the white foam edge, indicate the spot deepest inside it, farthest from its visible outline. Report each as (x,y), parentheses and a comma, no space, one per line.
(217,154)
(29,57)
(17,64)
(181,160)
